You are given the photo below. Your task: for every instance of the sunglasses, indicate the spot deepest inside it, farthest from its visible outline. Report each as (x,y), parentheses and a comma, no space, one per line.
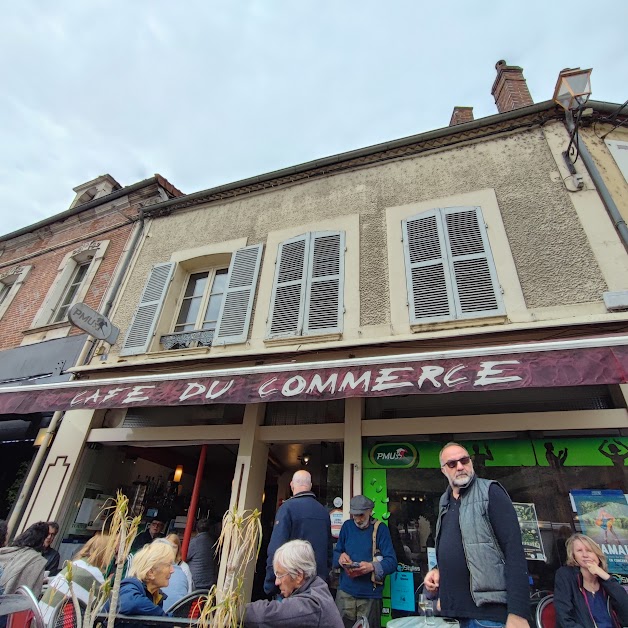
(452,464)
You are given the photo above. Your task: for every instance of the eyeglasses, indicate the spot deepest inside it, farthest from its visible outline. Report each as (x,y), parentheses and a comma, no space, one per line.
(281,576)
(452,464)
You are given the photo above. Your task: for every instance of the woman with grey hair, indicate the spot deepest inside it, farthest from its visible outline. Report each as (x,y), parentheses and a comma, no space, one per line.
(306,603)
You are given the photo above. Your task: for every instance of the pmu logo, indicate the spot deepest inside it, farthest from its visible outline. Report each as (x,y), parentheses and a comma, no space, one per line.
(394,455)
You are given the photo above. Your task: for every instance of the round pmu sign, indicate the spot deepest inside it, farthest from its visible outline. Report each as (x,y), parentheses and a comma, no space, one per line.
(394,455)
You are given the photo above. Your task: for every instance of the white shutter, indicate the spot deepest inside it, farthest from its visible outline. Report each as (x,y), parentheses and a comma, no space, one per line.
(286,311)
(140,333)
(477,290)
(324,308)
(237,305)
(428,281)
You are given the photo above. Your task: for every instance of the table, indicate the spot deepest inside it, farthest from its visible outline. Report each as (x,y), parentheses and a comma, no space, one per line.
(418,621)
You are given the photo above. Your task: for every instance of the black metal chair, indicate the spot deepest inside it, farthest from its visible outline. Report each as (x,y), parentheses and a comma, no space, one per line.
(191,605)
(64,614)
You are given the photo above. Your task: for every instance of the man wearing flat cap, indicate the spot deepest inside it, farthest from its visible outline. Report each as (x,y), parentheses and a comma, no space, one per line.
(365,553)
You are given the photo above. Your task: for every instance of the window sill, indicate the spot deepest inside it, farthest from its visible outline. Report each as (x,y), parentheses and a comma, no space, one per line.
(299,340)
(37,329)
(459,323)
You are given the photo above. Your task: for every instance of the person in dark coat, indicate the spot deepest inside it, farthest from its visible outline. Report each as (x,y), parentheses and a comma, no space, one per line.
(200,558)
(301,517)
(154,531)
(50,553)
(306,603)
(585,594)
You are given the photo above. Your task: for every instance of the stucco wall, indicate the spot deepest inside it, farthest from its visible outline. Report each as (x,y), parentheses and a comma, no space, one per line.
(554,261)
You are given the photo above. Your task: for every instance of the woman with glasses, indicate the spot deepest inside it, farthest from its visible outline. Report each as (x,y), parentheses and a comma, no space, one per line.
(585,594)
(307,602)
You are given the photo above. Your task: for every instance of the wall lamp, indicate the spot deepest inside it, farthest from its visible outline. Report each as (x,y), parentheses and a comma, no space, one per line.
(572,92)
(304,458)
(178,473)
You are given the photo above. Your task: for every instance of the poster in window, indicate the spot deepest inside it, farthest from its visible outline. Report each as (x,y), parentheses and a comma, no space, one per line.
(530,533)
(603,515)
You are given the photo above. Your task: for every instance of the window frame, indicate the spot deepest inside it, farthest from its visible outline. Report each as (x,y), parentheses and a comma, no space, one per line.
(12,281)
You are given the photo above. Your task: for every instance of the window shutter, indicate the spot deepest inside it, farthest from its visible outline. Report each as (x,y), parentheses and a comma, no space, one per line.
(142,328)
(477,290)
(286,313)
(428,281)
(235,312)
(324,306)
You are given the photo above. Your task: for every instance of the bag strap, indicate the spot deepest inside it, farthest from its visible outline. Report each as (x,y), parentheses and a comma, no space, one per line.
(375,550)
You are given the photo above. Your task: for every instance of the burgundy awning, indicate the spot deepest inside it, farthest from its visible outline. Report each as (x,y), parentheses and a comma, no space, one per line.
(560,363)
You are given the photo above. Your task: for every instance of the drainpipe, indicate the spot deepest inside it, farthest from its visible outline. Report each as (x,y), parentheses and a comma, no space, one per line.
(83,358)
(607,199)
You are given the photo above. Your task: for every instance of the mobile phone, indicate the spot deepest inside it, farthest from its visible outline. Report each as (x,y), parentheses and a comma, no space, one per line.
(353,565)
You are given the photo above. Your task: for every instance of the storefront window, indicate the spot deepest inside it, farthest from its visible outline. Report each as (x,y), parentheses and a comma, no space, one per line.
(562,482)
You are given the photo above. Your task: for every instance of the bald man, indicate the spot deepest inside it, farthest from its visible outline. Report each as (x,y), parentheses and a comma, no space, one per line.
(301,517)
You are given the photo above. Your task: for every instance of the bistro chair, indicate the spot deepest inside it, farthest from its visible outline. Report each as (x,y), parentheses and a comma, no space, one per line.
(546,613)
(362,622)
(64,614)
(190,606)
(21,610)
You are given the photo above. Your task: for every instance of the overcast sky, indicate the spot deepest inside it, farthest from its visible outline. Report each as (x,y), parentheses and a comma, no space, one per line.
(206,93)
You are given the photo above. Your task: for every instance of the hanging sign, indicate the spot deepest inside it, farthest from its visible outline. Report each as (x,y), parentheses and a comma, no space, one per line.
(335,517)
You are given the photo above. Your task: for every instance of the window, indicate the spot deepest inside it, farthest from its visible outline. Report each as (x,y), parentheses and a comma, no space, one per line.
(200,308)
(69,294)
(450,273)
(308,289)
(216,305)
(10,283)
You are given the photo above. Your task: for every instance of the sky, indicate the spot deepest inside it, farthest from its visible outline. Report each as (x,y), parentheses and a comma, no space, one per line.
(207,93)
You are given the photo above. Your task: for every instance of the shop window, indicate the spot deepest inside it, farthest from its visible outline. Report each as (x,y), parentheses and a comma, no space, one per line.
(308,288)
(216,305)
(450,272)
(74,277)
(10,282)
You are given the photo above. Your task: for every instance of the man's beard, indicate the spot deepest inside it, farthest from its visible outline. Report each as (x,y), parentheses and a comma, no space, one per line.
(363,525)
(462,481)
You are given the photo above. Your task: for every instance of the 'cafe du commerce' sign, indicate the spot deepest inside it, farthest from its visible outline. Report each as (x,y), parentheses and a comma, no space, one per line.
(398,376)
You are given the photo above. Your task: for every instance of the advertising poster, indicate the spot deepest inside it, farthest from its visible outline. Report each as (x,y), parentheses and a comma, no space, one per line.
(402,591)
(530,533)
(603,515)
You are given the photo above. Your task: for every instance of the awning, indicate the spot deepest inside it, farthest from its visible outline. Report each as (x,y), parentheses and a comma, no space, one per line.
(584,362)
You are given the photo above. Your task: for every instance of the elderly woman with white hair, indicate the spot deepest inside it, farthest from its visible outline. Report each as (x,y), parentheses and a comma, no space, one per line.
(307,601)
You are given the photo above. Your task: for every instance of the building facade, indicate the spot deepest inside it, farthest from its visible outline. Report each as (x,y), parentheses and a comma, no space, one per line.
(353,314)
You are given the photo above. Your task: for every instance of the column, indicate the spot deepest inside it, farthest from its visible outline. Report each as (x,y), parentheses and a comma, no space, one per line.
(352,477)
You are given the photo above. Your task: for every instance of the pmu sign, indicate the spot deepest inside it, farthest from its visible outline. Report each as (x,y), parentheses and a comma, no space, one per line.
(92,322)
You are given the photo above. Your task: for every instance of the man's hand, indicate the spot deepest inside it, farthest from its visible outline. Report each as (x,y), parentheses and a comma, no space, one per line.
(432,580)
(362,570)
(344,559)
(514,621)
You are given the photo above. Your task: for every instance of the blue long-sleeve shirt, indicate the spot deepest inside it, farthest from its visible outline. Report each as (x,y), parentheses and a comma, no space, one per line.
(358,545)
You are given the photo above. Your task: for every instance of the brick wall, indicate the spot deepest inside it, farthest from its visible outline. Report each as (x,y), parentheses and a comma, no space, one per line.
(510,89)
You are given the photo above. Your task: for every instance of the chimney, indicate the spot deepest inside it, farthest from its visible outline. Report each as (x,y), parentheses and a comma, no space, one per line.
(510,89)
(461,115)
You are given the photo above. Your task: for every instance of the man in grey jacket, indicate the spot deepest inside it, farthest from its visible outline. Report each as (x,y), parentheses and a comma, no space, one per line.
(306,603)
(481,576)
(200,558)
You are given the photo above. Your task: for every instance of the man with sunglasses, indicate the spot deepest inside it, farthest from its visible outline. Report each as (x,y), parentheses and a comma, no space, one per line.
(481,578)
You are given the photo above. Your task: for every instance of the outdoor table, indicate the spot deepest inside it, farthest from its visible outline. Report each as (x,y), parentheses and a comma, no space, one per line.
(418,621)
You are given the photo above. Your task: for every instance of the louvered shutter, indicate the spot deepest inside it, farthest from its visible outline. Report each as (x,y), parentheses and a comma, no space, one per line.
(428,281)
(140,333)
(286,311)
(477,290)
(324,306)
(235,312)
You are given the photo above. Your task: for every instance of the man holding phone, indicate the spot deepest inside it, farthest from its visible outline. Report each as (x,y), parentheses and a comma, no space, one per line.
(365,553)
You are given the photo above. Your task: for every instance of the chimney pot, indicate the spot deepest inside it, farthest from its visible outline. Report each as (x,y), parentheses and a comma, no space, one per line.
(510,89)
(461,115)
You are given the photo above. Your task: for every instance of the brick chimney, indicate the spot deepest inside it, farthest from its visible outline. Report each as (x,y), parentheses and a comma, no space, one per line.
(510,89)
(461,115)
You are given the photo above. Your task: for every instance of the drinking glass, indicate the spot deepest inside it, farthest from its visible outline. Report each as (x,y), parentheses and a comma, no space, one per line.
(427,606)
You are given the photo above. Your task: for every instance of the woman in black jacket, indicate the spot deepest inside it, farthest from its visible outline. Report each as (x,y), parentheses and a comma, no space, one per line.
(585,595)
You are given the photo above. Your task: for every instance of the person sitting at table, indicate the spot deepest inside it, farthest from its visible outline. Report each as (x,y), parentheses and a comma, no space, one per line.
(585,594)
(180,583)
(306,603)
(88,566)
(140,593)
(22,563)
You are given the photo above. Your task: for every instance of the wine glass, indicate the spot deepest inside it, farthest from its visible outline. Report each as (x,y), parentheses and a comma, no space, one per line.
(427,606)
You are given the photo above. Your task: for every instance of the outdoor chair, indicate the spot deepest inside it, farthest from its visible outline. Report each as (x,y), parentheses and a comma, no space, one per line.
(64,614)
(191,605)
(20,610)
(362,622)
(546,613)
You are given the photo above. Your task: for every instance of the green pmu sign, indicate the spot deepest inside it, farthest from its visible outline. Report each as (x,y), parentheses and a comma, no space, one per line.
(394,455)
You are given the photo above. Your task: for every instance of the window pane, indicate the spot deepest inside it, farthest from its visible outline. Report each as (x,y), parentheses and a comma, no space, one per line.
(189,311)
(4,290)
(213,307)
(70,292)
(196,285)
(220,281)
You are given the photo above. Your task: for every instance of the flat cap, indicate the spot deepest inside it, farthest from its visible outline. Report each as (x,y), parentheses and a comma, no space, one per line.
(360,504)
